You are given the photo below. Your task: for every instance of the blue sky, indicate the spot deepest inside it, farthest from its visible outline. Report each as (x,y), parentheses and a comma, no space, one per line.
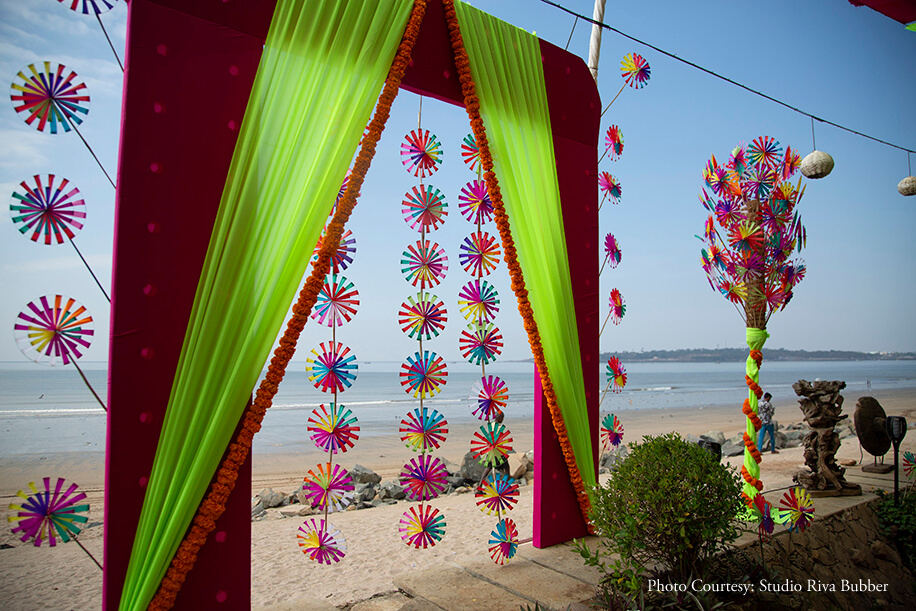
(849,65)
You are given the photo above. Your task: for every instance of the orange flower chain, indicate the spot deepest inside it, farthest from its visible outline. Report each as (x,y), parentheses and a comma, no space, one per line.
(472,105)
(757,357)
(214,504)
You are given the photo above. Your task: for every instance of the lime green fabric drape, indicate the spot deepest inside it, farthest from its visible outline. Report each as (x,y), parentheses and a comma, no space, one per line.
(755,339)
(506,65)
(323,66)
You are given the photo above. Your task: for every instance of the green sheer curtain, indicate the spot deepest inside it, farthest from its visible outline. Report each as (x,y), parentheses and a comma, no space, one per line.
(506,65)
(323,67)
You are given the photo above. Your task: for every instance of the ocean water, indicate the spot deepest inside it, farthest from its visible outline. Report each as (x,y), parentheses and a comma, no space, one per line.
(44,410)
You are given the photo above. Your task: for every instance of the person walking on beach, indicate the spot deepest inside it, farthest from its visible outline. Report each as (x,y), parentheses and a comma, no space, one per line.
(765,410)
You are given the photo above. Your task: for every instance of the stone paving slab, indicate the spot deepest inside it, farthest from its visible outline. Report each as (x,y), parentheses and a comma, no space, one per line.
(533,581)
(300,604)
(394,602)
(454,589)
(564,559)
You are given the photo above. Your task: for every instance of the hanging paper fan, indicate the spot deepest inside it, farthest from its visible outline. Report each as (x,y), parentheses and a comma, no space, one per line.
(479,254)
(491,443)
(611,431)
(474,202)
(422,526)
(764,511)
(612,250)
(330,489)
(616,373)
(423,375)
(424,209)
(610,186)
(489,397)
(613,142)
(50,96)
(424,478)
(343,256)
(336,303)
(496,494)
(48,211)
(50,514)
(333,369)
(332,428)
(909,464)
(423,430)
(321,541)
(421,154)
(618,307)
(478,301)
(635,70)
(470,152)
(87,7)
(503,541)
(424,264)
(53,327)
(482,344)
(764,151)
(423,317)
(796,510)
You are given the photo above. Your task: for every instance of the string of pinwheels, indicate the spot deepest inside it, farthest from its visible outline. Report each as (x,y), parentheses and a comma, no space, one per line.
(56,513)
(750,235)
(96,8)
(635,71)
(49,210)
(333,428)
(422,318)
(55,329)
(53,99)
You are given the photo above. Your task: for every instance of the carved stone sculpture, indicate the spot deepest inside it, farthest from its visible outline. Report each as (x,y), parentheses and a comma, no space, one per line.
(821,403)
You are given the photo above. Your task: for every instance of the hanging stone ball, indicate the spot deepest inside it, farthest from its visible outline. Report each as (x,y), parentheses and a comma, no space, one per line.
(817,164)
(907,186)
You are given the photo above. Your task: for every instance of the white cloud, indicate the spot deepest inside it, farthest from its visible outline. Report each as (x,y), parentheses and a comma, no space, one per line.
(22,150)
(57,264)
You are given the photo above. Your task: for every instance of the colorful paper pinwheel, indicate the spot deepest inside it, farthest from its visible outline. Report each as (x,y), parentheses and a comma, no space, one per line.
(422,526)
(421,153)
(634,70)
(617,307)
(474,202)
(478,301)
(424,208)
(336,303)
(796,510)
(613,142)
(424,264)
(52,97)
(491,443)
(609,185)
(765,515)
(333,428)
(909,464)
(423,430)
(479,254)
(331,488)
(423,375)
(53,328)
(611,252)
(489,397)
(321,541)
(333,369)
(503,541)
(50,514)
(481,343)
(470,152)
(496,494)
(49,212)
(616,374)
(423,316)
(611,431)
(424,478)
(343,256)
(87,7)
(764,151)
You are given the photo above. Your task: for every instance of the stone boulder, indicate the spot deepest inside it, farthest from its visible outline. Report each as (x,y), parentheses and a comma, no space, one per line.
(471,468)
(715,436)
(361,475)
(518,465)
(364,492)
(391,490)
(268,498)
(734,446)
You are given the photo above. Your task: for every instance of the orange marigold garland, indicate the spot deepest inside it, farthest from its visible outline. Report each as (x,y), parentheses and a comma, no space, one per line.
(472,105)
(214,504)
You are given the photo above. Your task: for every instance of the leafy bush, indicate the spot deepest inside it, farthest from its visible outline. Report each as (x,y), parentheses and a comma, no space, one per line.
(668,508)
(898,524)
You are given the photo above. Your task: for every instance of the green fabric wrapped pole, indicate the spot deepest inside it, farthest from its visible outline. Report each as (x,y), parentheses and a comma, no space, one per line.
(323,67)
(506,65)
(755,340)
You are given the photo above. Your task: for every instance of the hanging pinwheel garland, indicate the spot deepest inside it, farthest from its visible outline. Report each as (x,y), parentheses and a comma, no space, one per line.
(422,318)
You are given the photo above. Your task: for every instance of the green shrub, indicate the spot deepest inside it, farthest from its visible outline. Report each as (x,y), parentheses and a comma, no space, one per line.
(668,508)
(898,524)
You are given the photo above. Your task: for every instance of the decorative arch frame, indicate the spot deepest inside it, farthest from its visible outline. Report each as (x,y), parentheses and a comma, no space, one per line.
(190,67)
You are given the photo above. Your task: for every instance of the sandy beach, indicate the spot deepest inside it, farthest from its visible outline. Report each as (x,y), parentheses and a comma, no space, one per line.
(65,578)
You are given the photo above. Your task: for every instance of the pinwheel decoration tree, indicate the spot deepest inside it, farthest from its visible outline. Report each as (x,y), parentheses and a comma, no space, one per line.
(750,235)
